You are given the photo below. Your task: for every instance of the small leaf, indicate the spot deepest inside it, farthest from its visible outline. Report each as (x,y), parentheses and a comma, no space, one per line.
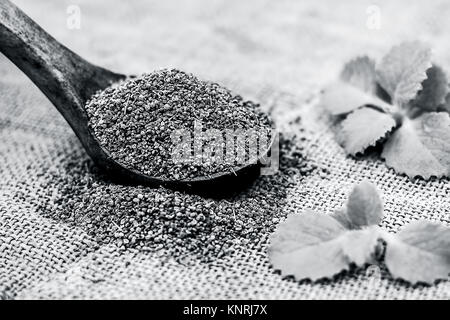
(364,206)
(403,69)
(434,92)
(360,73)
(364,128)
(341,98)
(421,147)
(420,252)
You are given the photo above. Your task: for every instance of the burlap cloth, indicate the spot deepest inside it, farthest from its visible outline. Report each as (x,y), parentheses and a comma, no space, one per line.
(279,53)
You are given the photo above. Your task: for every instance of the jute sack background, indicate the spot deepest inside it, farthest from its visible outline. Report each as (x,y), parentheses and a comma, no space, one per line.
(279,53)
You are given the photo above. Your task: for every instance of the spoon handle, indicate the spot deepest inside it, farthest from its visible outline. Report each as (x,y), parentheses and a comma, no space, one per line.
(64,77)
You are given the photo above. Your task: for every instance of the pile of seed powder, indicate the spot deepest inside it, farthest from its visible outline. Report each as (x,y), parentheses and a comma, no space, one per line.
(134,121)
(182,226)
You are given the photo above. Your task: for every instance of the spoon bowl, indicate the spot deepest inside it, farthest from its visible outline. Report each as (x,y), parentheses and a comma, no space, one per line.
(69,82)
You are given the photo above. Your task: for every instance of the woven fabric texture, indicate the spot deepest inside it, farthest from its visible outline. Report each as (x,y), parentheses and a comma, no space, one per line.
(278,53)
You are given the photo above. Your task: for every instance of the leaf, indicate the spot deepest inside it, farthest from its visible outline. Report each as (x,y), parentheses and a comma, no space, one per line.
(421,147)
(341,98)
(364,128)
(420,252)
(364,206)
(315,246)
(434,92)
(360,73)
(306,246)
(415,137)
(403,69)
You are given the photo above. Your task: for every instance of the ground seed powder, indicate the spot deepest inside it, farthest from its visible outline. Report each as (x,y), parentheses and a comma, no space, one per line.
(134,121)
(184,226)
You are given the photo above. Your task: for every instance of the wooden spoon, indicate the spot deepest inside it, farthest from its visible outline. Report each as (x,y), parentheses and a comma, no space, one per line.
(69,81)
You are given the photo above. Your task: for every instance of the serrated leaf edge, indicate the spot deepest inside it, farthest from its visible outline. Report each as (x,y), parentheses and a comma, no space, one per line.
(382,235)
(346,233)
(403,173)
(373,143)
(419,86)
(412,178)
(391,238)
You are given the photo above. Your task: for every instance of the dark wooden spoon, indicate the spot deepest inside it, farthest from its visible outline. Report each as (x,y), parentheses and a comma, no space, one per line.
(69,81)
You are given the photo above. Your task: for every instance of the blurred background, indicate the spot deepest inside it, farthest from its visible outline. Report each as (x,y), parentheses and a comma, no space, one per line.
(285,46)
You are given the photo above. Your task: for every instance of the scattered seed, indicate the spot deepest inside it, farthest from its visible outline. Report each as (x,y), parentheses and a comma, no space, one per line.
(185,225)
